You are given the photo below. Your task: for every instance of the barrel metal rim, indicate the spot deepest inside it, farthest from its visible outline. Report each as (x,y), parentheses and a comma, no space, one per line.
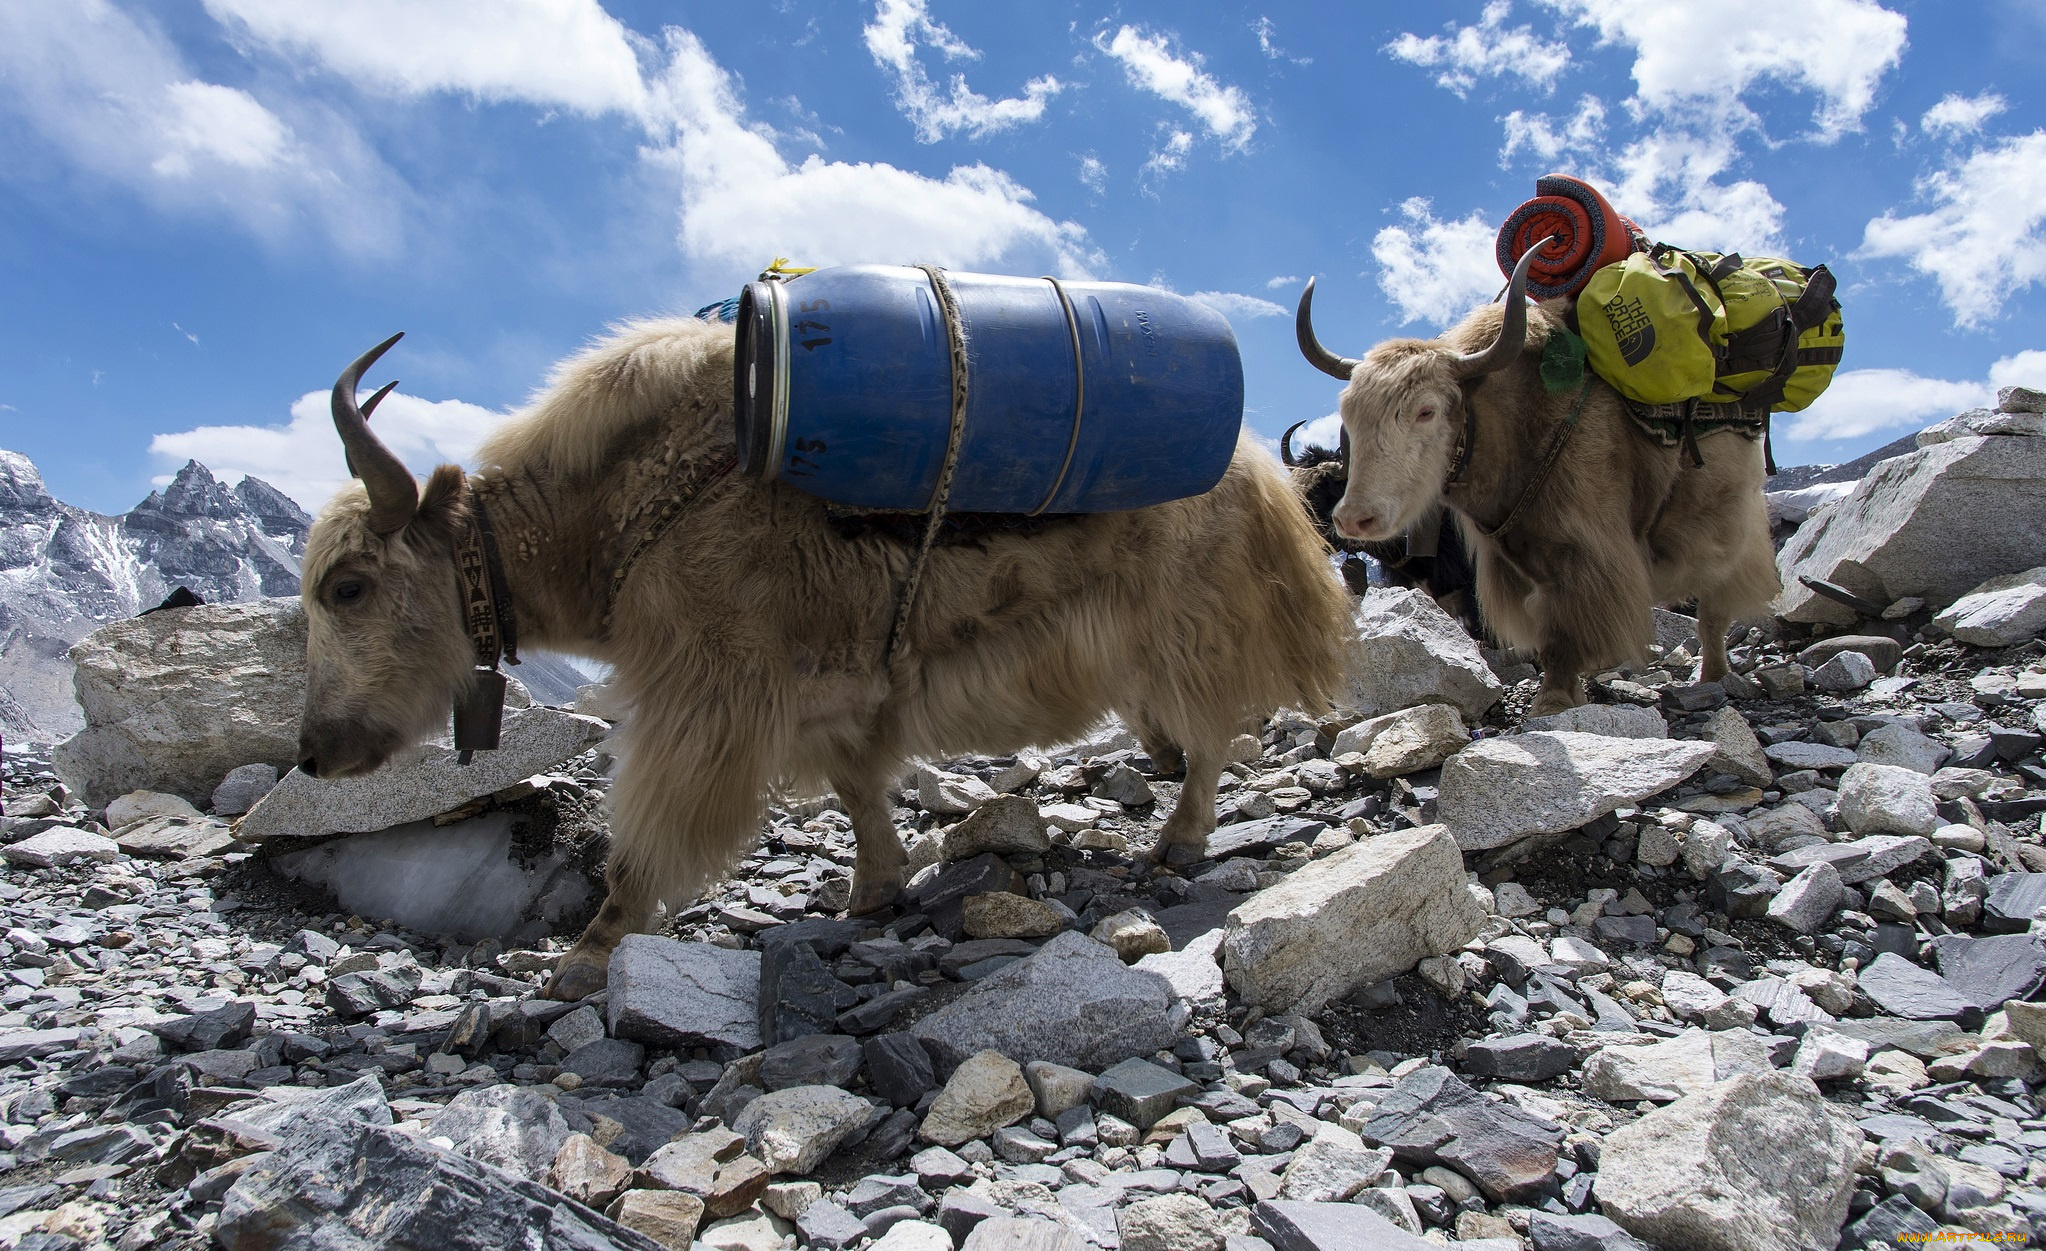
(778,392)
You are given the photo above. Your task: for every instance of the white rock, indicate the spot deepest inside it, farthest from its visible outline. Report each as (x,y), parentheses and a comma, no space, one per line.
(793,1130)
(142,805)
(175,699)
(950,794)
(1370,911)
(1658,845)
(2002,612)
(1193,972)
(1692,998)
(1707,844)
(1759,1162)
(605,701)
(1176,1222)
(1823,1054)
(1004,824)
(1408,652)
(1332,1166)
(986,1092)
(1739,751)
(1934,523)
(1900,745)
(1809,900)
(1407,741)
(60,844)
(1884,799)
(912,1236)
(1501,790)
(1134,933)
(1845,672)
(1662,1071)
(1610,720)
(532,741)
(1575,953)
(1512,900)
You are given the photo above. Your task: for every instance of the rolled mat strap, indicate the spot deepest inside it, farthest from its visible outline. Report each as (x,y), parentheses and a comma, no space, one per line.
(1590,234)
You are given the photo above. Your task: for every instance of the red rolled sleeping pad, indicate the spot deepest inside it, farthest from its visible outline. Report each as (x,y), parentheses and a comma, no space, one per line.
(1591,234)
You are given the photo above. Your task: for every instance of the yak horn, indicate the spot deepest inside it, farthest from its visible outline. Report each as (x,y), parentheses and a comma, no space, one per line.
(1286,445)
(1310,347)
(393,495)
(1512,328)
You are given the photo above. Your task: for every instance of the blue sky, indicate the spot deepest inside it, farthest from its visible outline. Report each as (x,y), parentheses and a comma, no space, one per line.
(208,206)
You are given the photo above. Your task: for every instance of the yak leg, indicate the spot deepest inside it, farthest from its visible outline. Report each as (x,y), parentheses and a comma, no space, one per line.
(1184,836)
(1562,678)
(628,909)
(878,870)
(1713,621)
(1165,754)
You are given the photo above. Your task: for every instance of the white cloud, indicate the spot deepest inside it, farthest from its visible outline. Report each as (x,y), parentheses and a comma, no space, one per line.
(1669,182)
(1701,56)
(1582,131)
(1152,66)
(1170,156)
(1865,401)
(1283,280)
(1488,49)
(1982,240)
(113,94)
(566,53)
(1093,174)
(1957,114)
(1324,431)
(1270,47)
(742,202)
(1436,271)
(1234,305)
(303,457)
(892,39)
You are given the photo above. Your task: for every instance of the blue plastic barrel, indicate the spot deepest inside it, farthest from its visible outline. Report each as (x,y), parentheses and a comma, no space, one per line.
(1082,397)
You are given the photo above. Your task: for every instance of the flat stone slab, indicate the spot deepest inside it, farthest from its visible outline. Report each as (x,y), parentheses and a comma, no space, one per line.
(1501,790)
(1260,835)
(1073,1003)
(667,994)
(1795,755)
(1902,988)
(533,740)
(1859,860)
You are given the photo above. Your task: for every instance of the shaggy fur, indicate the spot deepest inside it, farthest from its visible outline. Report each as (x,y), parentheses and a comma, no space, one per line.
(1621,525)
(750,639)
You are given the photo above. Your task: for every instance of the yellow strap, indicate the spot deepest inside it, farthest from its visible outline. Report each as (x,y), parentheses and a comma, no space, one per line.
(780,267)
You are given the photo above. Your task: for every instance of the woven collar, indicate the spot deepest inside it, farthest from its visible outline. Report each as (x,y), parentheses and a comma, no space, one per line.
(487,613)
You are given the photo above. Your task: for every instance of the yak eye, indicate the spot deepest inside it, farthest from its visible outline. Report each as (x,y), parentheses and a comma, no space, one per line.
(347,592)
(1425,416)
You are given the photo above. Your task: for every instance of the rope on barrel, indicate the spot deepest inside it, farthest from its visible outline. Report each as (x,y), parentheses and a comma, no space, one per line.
(955,333)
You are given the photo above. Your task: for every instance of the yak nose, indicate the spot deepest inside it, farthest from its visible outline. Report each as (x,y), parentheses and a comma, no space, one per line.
(1356,527)
(310,767)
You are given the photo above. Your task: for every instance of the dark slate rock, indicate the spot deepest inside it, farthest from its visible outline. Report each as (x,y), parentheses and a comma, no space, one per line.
(1261,835)
(1740,889)
(898,1068)
(2013,898)
(1553,1231)
(605,1061)
(1901,988)
(1631,931)
(879,1012)
(1990,971)
(1140,1092)
(222,1028)
(980,950)
(1074,1003)
(99,1083)
(1185,922)
(1881,1224)
(332,1186)
(827,937)
(14,1198)
(943,898)
(893,1136)
(961,1210)
(879,1191)
(649,1124)
(798,994)
(819,1060)
(1433,1117)
(1292,1225)
(1522,1058)
(359,994)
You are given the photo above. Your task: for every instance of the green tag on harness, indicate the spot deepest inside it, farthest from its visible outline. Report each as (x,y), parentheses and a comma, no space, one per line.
(1562,361)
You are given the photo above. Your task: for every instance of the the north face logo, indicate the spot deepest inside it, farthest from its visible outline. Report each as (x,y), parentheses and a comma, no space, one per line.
(1633,332)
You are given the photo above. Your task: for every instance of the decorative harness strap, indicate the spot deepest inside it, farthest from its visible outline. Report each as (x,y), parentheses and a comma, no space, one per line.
(955,334)
(666,509)
(1551,453)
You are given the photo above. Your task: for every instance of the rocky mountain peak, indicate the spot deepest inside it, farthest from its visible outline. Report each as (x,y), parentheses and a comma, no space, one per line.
(21,487)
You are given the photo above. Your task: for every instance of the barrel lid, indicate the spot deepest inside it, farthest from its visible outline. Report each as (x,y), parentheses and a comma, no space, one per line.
(756,390)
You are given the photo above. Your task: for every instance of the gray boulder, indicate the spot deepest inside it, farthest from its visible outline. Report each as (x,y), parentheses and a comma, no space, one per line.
(1073,1003)
(1410,652)
(1759,1162)
(1502,790)
(2002,612)
(1934,523)
(176,699)
(669,994)
(433,782)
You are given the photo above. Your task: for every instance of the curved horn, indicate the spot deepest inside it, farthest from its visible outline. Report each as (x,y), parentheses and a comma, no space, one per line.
(393,495)
(1286,445)
(1310,347)
(1512,329)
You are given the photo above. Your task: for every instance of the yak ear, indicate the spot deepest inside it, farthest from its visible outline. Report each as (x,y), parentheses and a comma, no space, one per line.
(443,503)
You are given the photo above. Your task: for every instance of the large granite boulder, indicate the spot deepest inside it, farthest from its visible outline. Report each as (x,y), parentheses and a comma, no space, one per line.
(1501,790)
(1409,652)
(1934,523)
(175,699)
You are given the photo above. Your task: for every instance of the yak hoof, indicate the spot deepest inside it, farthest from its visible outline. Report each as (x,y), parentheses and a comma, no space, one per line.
(577,977)
(1549,703)
(1170,851)
(871,894)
